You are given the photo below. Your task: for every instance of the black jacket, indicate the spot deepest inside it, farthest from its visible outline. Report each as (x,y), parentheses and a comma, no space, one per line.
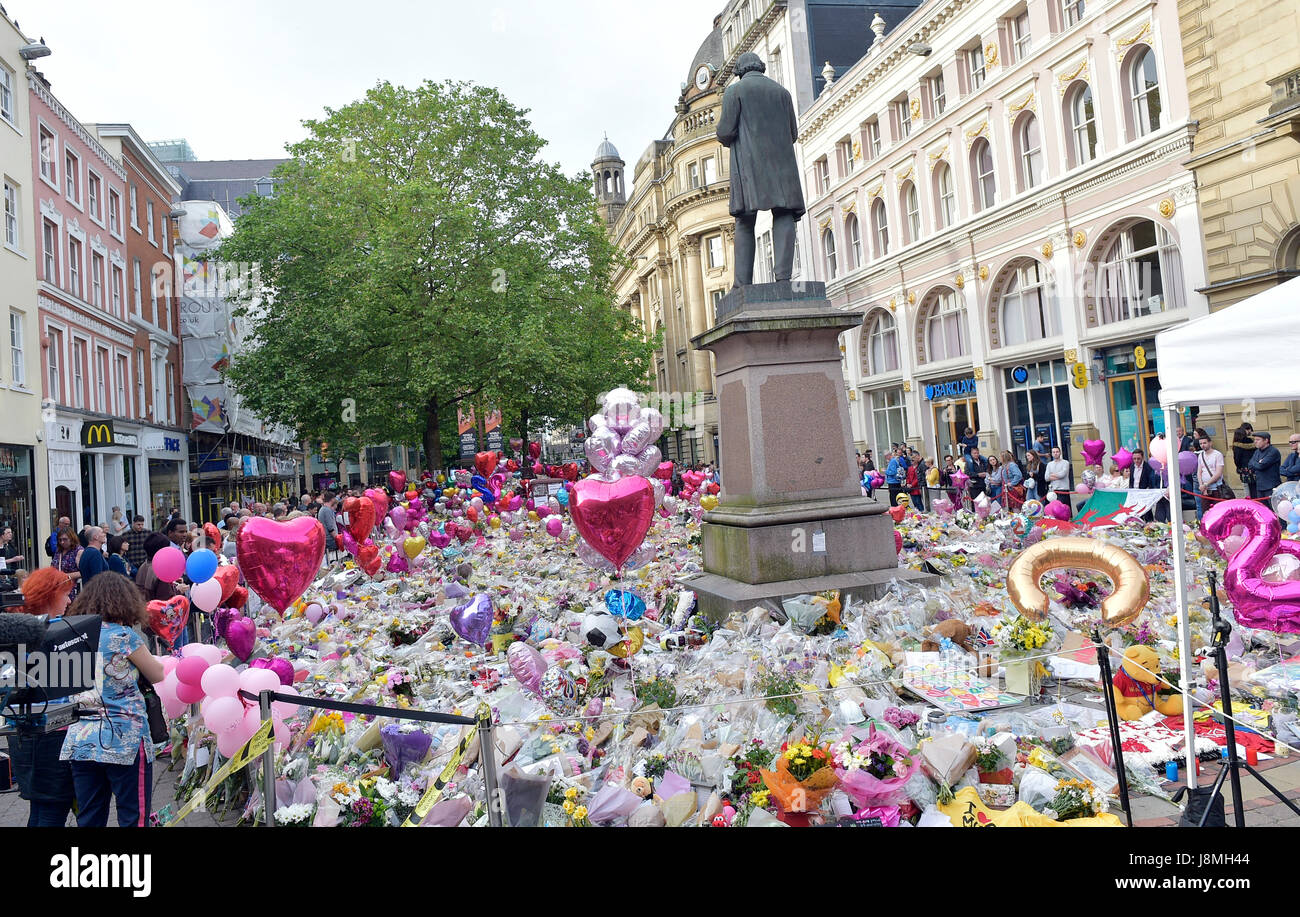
(1149,479)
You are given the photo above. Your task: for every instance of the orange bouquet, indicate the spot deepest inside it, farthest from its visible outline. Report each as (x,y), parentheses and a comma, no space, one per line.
(803,776)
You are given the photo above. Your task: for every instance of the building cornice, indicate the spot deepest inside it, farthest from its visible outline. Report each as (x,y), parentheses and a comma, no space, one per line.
(90,140)
(105,326)
(757,29)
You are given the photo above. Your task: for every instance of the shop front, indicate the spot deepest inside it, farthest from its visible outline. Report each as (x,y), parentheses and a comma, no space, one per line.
(167,470)
(954,407)
(1133,394)
(1038,401)
(18,500)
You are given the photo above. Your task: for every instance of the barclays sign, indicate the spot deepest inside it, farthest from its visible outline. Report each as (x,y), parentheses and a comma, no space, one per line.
(958,388)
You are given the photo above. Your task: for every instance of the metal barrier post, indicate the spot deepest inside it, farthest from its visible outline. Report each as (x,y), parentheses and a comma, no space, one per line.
(268,763)
(487,754)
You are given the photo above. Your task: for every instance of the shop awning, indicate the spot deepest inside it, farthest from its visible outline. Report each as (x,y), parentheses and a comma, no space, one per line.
(1247,350)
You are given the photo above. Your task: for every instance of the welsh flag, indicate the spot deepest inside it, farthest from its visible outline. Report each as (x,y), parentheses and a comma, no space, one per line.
(1116,507)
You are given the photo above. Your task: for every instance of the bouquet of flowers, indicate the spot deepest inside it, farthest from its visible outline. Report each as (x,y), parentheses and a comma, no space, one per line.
(872,768)
(1022,635)
(1076,799)
(746,777)
(298,815)
(804,776)
(1078,593)
(404,633)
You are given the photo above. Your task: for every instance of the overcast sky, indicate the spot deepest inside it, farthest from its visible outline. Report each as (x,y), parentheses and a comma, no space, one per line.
(236,77)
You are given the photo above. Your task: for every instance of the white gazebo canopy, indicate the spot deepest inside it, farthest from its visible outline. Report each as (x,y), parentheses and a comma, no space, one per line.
(1248,350)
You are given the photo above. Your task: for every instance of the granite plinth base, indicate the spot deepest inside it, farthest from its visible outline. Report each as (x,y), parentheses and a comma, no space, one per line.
(717,596)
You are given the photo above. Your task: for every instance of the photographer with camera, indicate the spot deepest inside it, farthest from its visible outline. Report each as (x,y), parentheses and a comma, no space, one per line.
(43,780)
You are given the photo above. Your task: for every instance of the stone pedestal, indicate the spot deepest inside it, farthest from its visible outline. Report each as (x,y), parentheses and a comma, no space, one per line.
(791,516)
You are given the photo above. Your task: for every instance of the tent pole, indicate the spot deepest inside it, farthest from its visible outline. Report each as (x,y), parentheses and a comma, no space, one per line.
(1180,590)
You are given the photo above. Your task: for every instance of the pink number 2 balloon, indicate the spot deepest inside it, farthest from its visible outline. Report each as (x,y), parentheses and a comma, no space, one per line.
(1267,606)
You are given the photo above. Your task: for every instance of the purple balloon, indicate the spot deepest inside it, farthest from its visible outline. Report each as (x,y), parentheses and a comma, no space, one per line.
(1186,463)
(398,563)
(241,636)
(473,620)
(527,665)
(455,591)
(282,668)
(349,543)
(398,515)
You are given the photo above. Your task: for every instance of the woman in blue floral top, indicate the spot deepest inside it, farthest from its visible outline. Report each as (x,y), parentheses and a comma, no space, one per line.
(112,756)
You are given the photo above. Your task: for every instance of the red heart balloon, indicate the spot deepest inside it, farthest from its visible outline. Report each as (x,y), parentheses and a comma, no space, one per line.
(167,619)
(464,533)
(569,471)
(280,559)
(534,450)
(238,598)
(714,488)
(539,468)
(213,535)
(665,471)
(228,576)
(397,481)
(486,463)
(897,513)
(613,516)
(512,466)
(361,518)
(380,500)
(368,558)
(412,494)
(471,514)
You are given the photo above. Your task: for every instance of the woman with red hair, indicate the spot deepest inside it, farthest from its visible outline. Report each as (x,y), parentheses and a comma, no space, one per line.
(43,780)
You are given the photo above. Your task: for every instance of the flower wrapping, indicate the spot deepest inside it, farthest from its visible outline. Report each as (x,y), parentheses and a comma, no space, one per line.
(794,795)
(864,784)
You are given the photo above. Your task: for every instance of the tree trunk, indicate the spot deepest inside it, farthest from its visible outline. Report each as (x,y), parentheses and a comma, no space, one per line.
(432,437)
(527,460)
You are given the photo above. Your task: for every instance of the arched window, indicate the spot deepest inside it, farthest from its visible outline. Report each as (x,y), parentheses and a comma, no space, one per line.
(1028,310)
(828,245)
(1140,274)
(911,207)
(1029,150)
(981,166)
(880,228)
(1080,118)
(946,335)
(880,344)
(854,233)
(1144,92)
(945,195)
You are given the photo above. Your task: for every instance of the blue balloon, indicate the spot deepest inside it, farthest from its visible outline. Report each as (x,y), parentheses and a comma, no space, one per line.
(1293,527)
(562,496)
(626,604)
(201,566)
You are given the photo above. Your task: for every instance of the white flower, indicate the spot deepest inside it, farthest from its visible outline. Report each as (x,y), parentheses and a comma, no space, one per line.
(385,788)
(294,814)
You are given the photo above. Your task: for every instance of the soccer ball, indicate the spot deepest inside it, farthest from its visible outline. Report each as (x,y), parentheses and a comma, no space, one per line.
(601,629)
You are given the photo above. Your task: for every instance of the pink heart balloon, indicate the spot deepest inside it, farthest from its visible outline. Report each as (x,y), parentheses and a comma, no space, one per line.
(380,499)
(439,540)
(280,559)
(613,516)
(527,665)
(398,515)
(397,481)
(282,668)
(241,635)
(398,563)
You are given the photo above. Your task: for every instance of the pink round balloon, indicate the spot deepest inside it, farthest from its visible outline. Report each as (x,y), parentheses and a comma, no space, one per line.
(554,526)
(189,694)
(255,681)
(315,612)
(168,663)
(190,670)
(173,707)
(228,744)
(223,715)
(167,687)
(280,559)
(220,681)
(251,722)
(283,736)
(206,595)
(169,564)
(282,709)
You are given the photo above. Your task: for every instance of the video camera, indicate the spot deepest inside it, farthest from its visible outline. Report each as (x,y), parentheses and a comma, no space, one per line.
(44,661)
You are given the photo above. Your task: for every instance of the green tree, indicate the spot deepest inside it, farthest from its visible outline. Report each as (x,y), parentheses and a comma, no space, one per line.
(418,253)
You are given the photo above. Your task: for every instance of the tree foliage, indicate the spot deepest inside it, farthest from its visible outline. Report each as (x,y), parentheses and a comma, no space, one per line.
(418,252)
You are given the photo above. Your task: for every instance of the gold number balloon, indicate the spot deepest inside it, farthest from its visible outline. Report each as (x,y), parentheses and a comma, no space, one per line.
(1127,599)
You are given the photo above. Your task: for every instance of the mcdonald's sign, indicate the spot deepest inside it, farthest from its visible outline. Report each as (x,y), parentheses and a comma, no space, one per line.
(96,434)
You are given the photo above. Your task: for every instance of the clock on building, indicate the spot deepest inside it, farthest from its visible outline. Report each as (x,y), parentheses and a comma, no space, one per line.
(703,77)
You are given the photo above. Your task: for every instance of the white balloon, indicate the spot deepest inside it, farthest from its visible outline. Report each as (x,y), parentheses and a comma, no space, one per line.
(654,420)
(649,460)
(206,595)
(636,439)
(658,485)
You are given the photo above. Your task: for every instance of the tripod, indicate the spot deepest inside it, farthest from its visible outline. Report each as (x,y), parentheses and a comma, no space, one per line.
(1231,767)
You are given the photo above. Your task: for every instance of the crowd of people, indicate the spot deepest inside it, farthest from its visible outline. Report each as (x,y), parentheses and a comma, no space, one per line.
(1011,481)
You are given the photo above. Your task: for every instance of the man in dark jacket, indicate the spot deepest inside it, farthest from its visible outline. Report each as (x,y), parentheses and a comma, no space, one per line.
(1265,465)
(1291,465)
(760,127)
(1142,476)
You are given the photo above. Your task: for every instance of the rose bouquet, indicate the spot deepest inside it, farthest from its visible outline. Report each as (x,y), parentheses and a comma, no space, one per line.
(872,768)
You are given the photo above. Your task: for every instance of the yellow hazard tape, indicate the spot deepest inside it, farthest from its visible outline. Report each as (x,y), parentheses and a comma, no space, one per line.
(253,748)
(435,789)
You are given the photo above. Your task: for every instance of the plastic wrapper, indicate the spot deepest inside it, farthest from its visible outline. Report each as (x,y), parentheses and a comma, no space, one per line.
(1037,787)
(795,795)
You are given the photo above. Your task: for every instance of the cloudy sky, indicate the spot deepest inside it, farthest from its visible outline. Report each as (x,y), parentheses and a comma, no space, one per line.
(237,77)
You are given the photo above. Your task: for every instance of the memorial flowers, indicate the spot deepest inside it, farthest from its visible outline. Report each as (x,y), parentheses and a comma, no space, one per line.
(1076,799)
(872,767)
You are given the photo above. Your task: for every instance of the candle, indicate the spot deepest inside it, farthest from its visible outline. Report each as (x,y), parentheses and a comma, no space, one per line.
(1171,771)
(1252,756)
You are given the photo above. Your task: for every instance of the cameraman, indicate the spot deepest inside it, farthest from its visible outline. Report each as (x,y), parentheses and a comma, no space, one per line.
(43,780)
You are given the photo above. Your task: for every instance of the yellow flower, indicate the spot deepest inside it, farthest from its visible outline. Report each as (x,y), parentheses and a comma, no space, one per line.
(545,716)
(568,806)
(571,792)
(589,733)
(759,799)
(580,813)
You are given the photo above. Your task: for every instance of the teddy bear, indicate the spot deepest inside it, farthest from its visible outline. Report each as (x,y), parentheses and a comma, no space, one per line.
(955,629)
(1137,687)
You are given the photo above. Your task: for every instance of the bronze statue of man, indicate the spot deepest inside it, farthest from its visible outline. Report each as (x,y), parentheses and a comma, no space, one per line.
(759,125)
